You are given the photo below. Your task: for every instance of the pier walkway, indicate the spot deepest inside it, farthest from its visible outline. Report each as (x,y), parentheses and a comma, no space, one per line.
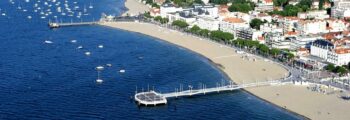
(153,98)
(57,24)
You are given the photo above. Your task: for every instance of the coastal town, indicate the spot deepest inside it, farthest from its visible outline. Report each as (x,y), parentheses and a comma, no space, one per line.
(309,37)
(316,35)
(177,59)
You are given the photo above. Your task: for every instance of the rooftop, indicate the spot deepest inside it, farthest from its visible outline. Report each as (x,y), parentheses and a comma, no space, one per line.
(233,20)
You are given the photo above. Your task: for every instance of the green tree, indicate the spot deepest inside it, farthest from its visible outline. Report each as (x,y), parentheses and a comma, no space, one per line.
(180,23)
(149,2)
(198,1)
(158,18)
(155,5)
(263,48)
(204,32)
(195,29)
(255,23)
(147,15)
(240,7)
(320,4)
(219,35)
(341,70)
(330,67)
(280,2)
(274,52)
(164,20)
(290,56)
(219,1)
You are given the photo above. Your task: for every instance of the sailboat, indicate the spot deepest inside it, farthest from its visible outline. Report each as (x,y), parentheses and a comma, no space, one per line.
(91,6)
(85,11)
(99,69)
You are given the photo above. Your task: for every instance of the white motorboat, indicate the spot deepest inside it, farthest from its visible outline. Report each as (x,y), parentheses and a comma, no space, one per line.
(48,42)
(88,53)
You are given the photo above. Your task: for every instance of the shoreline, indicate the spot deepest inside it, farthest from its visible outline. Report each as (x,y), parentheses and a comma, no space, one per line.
(302,109)
(222,72)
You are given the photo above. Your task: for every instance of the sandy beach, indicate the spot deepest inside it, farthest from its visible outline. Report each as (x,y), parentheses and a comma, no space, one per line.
(242,69)
(135,7)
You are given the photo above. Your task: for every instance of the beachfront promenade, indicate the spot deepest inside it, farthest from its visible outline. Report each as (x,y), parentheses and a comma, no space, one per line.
(152,98)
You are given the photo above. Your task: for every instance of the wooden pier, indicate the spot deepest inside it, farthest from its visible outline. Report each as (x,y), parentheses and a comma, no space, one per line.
(152,98)
(57,25)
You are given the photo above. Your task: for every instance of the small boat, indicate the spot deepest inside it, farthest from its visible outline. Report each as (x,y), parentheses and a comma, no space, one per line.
(80,47)
(100,46)
(122,71)
(73,41)
(29,17)
(88,53)
(109,65)
(99,80)
(99,67)
(91,6)
(48,42)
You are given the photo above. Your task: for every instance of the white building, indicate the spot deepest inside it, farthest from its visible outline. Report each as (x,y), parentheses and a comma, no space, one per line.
(168,8)
(327,50)
(264,5)
(207,23)
(230,24)
(312,27)
(341,9)
(303,41)
(205,10)
(183,15)
(315,14)
(290,24)
(262,16)
(320,48)
(339,56)
(335,25)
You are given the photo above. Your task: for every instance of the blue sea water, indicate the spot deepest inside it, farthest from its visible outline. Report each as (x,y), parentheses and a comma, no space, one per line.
(57,81)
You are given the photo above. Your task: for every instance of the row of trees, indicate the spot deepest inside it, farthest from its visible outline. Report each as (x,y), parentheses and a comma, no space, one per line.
(215,35)
(228,38)
(197,30)
(291,10)
(185,3)
(180,24)
(241,6)
(341,70)
(161,20)
(263,49)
